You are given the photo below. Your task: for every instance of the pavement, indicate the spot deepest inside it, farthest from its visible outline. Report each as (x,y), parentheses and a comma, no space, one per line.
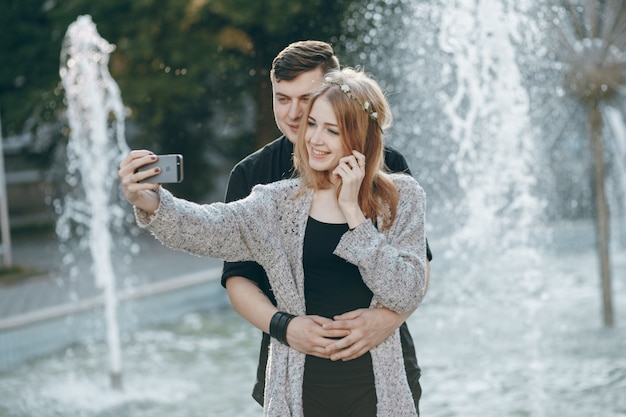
(65,283)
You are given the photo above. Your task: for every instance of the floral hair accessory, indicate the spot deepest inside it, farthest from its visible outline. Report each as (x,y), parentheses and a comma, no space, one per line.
(366,106)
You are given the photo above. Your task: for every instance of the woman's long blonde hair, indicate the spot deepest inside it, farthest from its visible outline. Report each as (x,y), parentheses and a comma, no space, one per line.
(362,114)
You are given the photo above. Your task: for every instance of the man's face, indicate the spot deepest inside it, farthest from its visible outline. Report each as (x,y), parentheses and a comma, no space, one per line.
(290,98)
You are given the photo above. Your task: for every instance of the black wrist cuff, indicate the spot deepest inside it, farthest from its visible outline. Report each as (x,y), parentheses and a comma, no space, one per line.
(278,326)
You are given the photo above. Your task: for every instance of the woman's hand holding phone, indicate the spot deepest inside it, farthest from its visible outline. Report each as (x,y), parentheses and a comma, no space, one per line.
(171,169)
(137,191)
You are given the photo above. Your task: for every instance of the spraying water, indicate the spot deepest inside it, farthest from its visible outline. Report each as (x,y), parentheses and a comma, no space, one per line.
(488,113)
(498,334)
(489,118)
(615,122)
(96,119)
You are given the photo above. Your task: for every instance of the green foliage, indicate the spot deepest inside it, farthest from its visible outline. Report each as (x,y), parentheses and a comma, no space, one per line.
(29,70)
(193,73)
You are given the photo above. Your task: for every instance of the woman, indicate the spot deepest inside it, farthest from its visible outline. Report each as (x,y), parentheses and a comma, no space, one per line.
(344,235)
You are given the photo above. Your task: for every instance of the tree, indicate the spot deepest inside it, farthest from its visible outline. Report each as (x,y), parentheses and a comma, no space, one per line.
(194,74)
(30,55)
(262,29)
(592,47)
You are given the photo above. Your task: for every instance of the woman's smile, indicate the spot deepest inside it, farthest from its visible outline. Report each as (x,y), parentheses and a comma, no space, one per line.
(315,153)
(323,139)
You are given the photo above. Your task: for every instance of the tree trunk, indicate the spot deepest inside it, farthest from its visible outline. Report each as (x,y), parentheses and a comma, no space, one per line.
(601,210)
(266,129)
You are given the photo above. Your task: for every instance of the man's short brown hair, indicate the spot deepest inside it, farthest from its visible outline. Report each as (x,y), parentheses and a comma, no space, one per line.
(303,56)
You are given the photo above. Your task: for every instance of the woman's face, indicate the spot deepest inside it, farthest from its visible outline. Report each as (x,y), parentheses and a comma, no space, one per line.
(323,141)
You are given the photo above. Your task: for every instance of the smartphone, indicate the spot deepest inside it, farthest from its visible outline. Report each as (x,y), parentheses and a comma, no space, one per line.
(171,169)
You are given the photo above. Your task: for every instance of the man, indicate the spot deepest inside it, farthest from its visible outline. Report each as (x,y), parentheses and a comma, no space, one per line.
(296,72)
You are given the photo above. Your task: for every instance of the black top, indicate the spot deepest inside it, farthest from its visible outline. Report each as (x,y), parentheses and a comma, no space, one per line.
(272,163)
(332,286)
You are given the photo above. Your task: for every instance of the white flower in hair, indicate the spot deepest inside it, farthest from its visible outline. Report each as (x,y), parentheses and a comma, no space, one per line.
(366,106)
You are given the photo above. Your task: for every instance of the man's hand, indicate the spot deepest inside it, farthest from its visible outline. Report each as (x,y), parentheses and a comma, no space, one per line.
(304,333)
(367,327)
(307,334)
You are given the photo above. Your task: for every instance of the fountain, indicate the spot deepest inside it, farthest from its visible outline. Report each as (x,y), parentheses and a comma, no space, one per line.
(473,127)
(509,327)
(96,145)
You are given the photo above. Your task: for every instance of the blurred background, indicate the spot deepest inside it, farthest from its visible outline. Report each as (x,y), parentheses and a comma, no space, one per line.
(510,114)
(194,79)
(194,75)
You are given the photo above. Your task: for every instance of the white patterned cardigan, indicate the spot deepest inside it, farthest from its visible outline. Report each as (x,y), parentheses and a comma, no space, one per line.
(268,227)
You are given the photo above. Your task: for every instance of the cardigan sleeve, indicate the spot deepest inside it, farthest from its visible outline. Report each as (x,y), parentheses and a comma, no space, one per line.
(235,231)
(392,264)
